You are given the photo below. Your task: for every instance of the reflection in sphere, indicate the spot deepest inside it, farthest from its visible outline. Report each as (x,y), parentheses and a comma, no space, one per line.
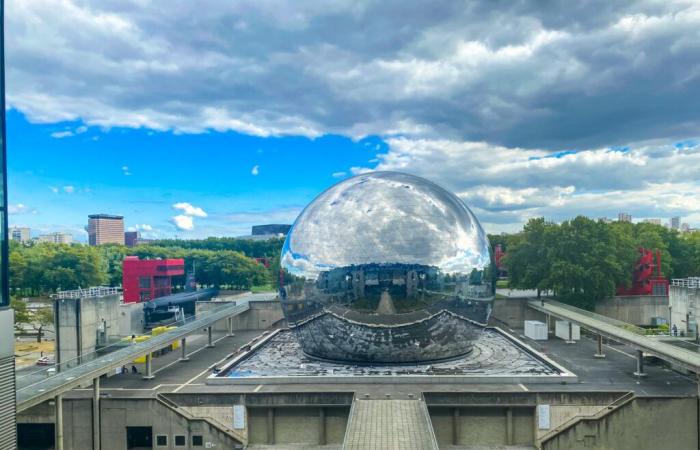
(387,267)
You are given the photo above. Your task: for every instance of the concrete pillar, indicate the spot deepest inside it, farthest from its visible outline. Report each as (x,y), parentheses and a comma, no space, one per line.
(510,434)
(96,414)
(58,421)
(600,353)
(183,350)
(271,426)
(456,426)
(322,426)
(210,344)
(149,368)
(640,364)
(230,327)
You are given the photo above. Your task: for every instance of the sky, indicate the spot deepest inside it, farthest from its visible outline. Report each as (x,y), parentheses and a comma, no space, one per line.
(204,118)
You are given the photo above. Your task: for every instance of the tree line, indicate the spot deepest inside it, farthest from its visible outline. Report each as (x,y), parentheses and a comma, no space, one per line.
(582,260)
(43,268)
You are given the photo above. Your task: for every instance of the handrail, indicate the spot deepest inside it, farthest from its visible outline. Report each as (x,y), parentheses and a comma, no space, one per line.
(190,417)
(604,411)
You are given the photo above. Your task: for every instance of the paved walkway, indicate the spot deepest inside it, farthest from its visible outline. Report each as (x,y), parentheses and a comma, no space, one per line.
(389,425)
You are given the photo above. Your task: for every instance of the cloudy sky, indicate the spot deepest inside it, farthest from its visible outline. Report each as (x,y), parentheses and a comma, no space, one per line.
(202,118)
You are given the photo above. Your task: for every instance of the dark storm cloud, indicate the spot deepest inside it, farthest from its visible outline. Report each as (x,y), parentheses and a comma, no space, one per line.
(546,75)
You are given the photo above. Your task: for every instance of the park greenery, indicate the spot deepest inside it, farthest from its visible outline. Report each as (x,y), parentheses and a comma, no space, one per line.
(39,269)
(581,261)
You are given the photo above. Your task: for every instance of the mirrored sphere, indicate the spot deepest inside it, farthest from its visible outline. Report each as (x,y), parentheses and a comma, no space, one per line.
(387,267)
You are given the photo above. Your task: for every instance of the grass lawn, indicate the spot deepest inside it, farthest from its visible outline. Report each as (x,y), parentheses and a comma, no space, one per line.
(263,288)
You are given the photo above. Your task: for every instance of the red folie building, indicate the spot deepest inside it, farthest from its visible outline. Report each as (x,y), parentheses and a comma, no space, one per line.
(146,279)
(644,282)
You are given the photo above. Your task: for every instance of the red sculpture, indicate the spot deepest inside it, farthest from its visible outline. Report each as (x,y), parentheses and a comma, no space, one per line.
(644,282)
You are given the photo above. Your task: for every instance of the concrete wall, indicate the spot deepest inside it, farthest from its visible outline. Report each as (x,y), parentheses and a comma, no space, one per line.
(684,303)
(116,415)
(634,309)
(494,426)
(297,425)
(79,329)
(261,315)
(131,319)
(644,423)
(513,311)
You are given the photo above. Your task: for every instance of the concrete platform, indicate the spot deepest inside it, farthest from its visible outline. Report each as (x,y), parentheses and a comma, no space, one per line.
(496,358)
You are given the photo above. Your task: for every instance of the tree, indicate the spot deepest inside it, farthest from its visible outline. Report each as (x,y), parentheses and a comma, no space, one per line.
(22,315)
(528,259)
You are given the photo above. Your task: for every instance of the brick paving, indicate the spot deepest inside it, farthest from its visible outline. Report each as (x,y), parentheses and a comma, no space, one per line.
(389,425)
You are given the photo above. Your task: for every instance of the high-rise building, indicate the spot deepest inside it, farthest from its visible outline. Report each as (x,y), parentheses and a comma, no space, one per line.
(131,238)
(653,221)
(8,407)
(685,228)
(105,229)
(675,223)
(56,238)
(20,234)
(624,217)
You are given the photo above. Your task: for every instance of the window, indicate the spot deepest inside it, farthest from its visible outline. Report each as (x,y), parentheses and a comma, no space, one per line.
(145,282)
(180,441)
(197,441)
(161,440)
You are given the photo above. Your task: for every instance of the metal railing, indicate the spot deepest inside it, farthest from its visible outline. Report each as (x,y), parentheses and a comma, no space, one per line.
(92,292)
(690,282)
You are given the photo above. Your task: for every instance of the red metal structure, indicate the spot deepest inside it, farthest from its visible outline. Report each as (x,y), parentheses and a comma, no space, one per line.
(644,281)
(147,279)
(499,254)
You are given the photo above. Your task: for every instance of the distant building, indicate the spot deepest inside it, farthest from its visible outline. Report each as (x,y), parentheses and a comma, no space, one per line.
(653,221)
(675,223)
(604,220)
(270,229)
(20,234)
(105,229)
(131,238)
(685,228)
(624,217)
(56,238)
(146,279)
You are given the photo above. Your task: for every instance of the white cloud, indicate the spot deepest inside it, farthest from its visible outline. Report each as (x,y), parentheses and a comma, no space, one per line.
(17,208)
(53,189)
(189,210)
(125,170)
(183,222)
(68,133)
(69,189)
(339,174)
(255,170)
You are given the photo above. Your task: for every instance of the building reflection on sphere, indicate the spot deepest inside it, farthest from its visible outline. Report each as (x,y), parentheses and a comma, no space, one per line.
(387,267)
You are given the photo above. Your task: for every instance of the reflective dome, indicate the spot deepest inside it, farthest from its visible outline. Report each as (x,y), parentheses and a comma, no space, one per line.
(387,267)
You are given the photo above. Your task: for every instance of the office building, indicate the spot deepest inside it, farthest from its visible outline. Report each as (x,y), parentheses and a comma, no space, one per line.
(56,238)
(105,229)
(131,238)
(8,408)
(624,217)
(675,223)
(20,234)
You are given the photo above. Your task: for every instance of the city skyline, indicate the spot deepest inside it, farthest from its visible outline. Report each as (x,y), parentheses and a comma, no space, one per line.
(519,124)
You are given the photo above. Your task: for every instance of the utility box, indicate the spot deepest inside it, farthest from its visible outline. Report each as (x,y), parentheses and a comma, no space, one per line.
(562,329)
(536,330)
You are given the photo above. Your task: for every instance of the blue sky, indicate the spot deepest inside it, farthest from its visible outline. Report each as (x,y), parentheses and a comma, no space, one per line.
(162,114)
(141,174)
